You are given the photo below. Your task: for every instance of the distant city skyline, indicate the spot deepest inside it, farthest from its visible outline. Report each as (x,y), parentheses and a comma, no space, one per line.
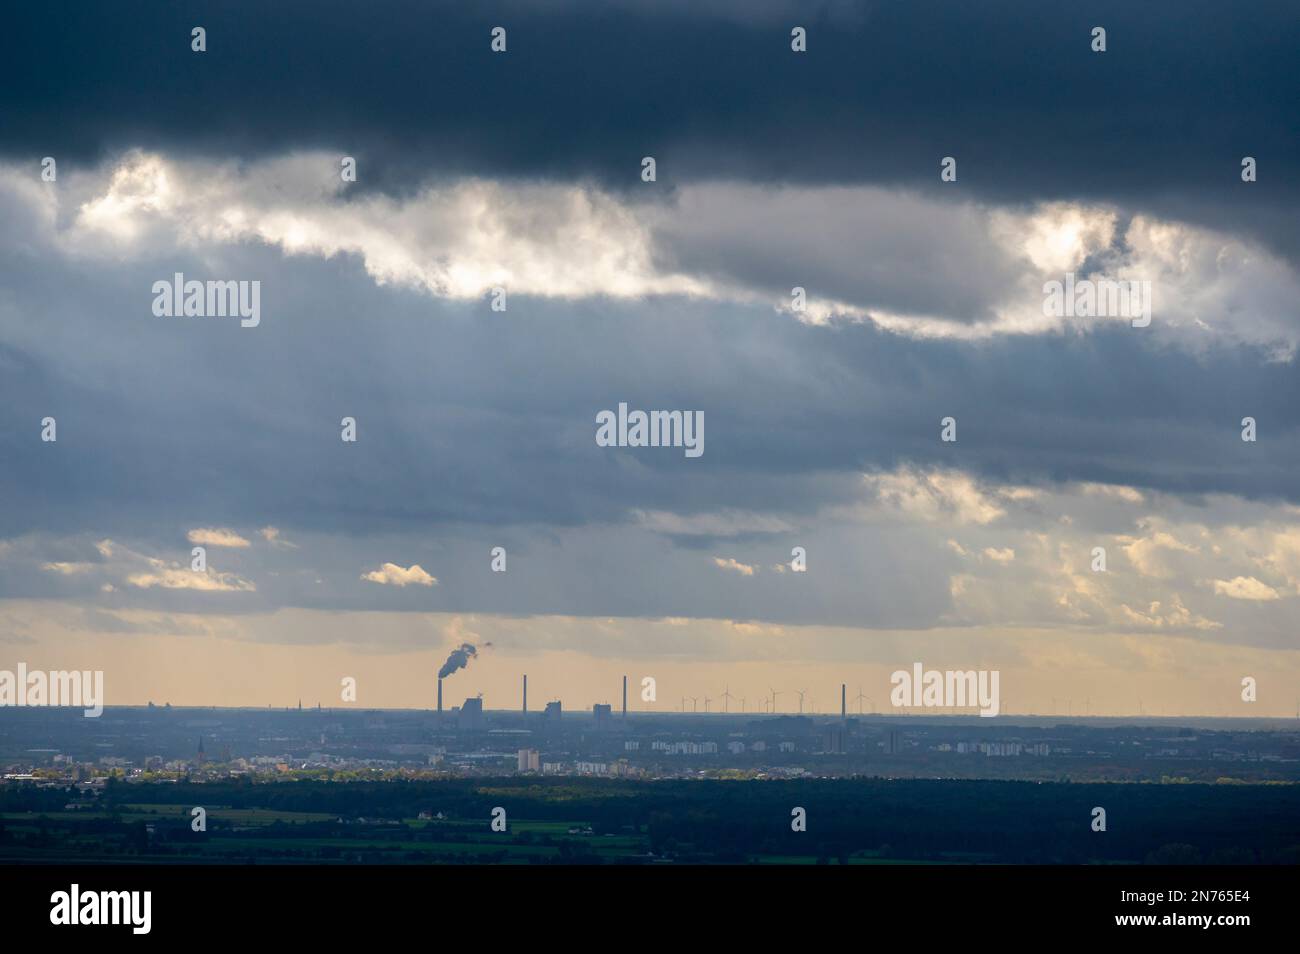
(208,670)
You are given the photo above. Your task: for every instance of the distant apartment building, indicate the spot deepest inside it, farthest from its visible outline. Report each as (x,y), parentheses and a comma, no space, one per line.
(686,748)
(530,760)
(553,710)
(835,741)
(1000,749)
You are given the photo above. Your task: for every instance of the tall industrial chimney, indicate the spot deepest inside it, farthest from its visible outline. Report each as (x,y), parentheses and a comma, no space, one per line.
(625,697)
(440,695)
(525,693)
(844,711)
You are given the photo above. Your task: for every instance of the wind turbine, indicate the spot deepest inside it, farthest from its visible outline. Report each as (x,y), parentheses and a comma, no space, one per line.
(774,695)
(801,695)
(742,704)
(695,703)
(858,699)
(707,700)
(726,699)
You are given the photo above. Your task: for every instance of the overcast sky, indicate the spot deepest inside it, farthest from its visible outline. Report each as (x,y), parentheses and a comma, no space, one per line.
(476,428)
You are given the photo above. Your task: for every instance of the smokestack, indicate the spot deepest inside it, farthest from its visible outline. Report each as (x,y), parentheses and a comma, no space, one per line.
(439,693)
(625,697)
(525,693)
(844,711)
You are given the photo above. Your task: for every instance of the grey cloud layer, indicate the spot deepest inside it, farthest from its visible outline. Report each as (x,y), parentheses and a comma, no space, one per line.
(471,416)
(476,430)
(917,549)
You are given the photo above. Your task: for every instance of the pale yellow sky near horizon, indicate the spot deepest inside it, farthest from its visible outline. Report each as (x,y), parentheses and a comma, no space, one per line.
(232,661)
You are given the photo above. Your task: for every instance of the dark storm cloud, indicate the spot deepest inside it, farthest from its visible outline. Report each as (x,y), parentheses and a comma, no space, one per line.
(1161,120)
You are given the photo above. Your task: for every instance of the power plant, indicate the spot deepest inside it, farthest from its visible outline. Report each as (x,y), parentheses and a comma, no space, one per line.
(552,711)
(458,658)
